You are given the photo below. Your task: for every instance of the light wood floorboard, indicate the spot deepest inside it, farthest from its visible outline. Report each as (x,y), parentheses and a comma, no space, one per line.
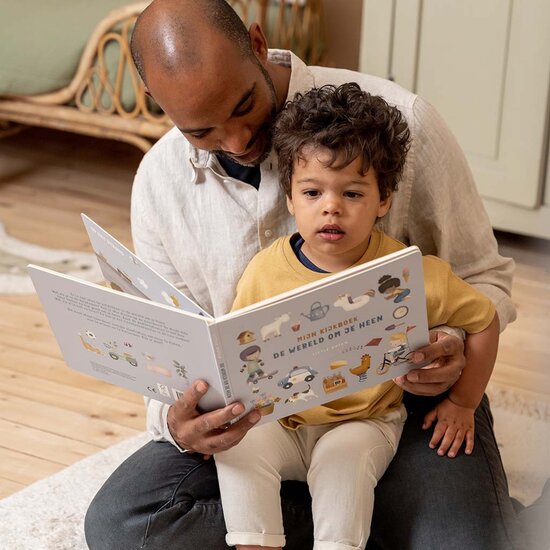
(51,416)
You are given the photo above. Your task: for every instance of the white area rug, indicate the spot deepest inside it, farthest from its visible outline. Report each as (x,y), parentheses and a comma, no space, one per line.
(522,429)
(49,514)
(15,255)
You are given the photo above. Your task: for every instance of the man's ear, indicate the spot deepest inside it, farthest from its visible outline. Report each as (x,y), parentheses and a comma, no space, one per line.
(258,41)
(384,206)
(289,205)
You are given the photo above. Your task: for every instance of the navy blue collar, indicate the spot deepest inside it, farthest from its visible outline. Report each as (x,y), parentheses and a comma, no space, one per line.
(296,242)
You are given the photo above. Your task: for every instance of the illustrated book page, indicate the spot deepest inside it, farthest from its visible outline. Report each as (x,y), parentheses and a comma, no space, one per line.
(125,272)
(149,348)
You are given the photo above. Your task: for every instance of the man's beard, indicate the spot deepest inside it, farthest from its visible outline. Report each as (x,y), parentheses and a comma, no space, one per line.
(265,130)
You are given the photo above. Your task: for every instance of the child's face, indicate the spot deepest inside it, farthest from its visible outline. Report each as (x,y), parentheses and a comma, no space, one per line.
(335,210)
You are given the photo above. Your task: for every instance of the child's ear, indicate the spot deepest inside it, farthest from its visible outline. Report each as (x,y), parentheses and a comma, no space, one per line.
(384,206)
(289,205)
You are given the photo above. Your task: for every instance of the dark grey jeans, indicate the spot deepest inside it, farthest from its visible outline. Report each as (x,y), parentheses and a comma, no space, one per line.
(160,498)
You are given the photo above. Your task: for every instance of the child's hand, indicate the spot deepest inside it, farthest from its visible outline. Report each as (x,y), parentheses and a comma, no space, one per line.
(454,425)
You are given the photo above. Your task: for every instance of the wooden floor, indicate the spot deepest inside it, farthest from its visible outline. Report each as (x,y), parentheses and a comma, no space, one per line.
(50,416)
(523,361)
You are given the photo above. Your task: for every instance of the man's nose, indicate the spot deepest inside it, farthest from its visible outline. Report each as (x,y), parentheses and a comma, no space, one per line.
(236,139)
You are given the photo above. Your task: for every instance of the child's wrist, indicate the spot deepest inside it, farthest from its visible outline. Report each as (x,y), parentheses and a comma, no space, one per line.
(459,401)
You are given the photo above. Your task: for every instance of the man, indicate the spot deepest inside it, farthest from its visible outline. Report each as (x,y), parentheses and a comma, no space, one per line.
(205,200)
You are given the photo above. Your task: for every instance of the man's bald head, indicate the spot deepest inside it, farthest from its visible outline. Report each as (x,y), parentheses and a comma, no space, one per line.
(173,33)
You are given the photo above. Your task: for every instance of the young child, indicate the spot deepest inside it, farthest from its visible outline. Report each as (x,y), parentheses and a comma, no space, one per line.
(341,153)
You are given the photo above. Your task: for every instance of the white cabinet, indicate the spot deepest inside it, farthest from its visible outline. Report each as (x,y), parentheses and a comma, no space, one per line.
(485,65)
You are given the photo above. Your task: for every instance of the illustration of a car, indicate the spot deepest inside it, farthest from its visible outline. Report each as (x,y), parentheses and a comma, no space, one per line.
(116,355)
(297,374)
(125,356)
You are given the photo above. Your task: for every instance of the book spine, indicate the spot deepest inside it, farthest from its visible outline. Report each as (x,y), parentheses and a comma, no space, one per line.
(222,368)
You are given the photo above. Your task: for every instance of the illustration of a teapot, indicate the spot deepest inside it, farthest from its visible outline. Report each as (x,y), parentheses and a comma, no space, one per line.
(316,312)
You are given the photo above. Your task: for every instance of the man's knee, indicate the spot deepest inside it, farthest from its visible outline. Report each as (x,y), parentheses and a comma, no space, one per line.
(96,524)
(103,524)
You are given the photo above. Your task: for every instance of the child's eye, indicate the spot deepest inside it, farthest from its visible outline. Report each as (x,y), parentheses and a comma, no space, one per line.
(311,193)
(352,194)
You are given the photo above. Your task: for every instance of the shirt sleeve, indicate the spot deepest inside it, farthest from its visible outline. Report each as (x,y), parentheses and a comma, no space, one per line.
(146,233)
(157,424)
(446,216)
(148,246)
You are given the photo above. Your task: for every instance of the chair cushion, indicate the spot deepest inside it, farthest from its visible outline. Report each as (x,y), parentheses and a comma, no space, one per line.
(42,41)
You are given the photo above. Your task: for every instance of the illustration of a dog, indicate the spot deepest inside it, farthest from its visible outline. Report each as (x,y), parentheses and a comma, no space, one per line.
(274,328)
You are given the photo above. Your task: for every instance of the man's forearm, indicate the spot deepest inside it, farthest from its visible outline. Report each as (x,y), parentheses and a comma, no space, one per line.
(446,216)
(502,301)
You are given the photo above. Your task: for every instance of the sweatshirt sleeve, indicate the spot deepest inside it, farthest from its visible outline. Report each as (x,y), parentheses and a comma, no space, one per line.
(453,302)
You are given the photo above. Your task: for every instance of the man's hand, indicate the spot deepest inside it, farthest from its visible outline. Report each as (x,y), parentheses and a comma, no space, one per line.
(446,356)
(207,433)
(455,424)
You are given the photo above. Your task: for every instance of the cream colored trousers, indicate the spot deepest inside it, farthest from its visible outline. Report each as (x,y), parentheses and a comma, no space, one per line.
(341,462)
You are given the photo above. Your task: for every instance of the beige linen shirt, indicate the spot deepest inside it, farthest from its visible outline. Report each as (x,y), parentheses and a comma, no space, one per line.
(199,228)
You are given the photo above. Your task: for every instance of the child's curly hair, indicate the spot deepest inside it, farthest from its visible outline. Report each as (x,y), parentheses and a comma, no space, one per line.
(348,122)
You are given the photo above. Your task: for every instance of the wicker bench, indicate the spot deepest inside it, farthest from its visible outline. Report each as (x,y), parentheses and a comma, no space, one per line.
(105,97)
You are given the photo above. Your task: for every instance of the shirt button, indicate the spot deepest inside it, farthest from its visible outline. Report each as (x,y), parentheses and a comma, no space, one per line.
(268,233)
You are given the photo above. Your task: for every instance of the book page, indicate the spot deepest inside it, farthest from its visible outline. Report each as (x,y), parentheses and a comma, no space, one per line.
(306,348)
(125,272)
(149,348)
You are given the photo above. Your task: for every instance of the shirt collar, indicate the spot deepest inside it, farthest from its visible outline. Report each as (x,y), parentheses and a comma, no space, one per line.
(301,78)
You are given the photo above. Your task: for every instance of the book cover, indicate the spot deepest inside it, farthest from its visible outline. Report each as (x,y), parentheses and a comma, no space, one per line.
(349,331)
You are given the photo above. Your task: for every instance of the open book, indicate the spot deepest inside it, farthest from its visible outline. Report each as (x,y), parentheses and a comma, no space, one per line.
(348,331)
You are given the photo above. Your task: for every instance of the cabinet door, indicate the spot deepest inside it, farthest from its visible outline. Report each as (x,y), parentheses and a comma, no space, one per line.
(485,65)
